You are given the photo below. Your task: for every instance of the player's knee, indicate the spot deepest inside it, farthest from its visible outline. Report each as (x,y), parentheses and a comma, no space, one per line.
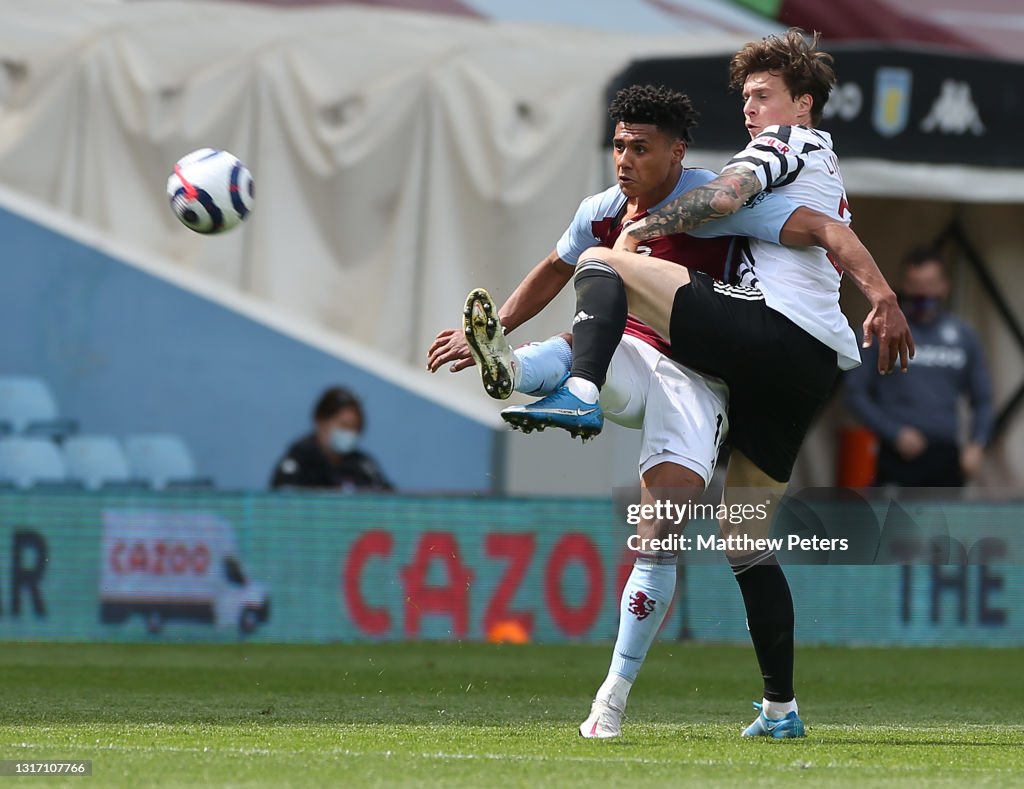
(655,538)
(619,262)
(596,253)
(673,479)
(590,266)
(658,529)
(743,473)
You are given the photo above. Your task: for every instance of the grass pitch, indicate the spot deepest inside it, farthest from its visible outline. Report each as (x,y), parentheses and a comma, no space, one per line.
(447,714)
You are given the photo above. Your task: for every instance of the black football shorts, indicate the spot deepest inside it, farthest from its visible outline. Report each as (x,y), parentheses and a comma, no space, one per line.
(779,376)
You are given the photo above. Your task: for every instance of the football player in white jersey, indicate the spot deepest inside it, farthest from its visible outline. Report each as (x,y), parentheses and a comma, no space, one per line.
(777,338)
(680,413)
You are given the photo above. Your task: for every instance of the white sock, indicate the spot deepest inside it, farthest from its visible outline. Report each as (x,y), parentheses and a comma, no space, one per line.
(778,709)
(646,598)
(585,390)
(543,365)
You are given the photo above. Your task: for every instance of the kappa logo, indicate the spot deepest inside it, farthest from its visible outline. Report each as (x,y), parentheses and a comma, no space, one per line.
(954,111)
(640,605)
(581,316)
(892,100)
(845,102)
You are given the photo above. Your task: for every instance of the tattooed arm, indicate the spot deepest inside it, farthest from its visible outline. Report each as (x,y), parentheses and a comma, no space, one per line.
(723,196)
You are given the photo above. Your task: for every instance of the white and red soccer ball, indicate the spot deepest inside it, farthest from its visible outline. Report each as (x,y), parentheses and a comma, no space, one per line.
(210,191)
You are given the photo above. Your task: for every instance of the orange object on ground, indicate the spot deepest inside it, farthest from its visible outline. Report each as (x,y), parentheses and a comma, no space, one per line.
(508,631)
(858,457)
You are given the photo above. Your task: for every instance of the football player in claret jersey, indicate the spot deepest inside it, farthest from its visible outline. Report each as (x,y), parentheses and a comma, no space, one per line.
(682,415)
(777,337)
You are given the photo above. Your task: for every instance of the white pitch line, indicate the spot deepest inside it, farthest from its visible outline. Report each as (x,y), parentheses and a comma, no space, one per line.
(528,758)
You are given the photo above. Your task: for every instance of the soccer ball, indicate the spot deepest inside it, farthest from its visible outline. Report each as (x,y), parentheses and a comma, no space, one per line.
(210,191)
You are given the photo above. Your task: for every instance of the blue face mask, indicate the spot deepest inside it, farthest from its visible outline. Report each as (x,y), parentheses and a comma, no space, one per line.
(920,308)
(343,441)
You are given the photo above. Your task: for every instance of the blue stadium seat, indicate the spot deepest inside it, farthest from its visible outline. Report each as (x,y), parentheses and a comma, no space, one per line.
(27,406)
(97,462)
(28,461)
(164,460)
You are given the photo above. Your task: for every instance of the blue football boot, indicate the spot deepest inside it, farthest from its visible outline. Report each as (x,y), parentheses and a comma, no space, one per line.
(561,409)
(780,728)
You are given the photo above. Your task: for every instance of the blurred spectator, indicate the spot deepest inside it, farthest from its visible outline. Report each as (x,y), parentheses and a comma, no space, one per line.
(328,457)
(915,415)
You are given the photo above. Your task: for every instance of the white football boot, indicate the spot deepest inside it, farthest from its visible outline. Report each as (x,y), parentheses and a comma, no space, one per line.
(604,721)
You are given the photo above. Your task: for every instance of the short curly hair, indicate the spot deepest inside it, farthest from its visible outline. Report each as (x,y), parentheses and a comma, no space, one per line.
(803,67)
(669,110)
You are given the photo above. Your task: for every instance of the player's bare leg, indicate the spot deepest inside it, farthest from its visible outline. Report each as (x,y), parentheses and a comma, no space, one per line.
(646,597)
(767,599)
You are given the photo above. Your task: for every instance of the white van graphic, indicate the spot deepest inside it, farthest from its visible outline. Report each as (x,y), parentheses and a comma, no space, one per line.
(176,566)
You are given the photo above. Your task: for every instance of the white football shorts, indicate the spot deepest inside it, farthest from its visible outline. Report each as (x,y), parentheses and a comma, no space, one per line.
(683,416)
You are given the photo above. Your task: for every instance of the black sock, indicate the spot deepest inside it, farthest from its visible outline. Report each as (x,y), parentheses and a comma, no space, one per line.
(600,318)
(770,620)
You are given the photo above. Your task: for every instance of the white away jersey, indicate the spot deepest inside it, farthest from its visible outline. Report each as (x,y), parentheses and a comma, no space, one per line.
(800,282)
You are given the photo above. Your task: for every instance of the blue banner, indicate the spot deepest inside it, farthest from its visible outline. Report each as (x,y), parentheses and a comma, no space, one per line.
(313,568)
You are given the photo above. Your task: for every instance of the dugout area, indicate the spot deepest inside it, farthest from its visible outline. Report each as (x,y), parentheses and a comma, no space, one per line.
(983,244)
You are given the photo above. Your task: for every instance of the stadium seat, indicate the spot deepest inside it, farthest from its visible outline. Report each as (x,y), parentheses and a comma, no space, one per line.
(97,462)
(27,406)
(163,460)
(29,461)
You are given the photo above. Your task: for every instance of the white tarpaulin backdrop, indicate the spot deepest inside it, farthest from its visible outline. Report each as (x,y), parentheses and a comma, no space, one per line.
(399,159)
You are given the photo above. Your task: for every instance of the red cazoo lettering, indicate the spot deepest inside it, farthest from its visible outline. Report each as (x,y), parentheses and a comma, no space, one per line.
(159,558)
(438,580)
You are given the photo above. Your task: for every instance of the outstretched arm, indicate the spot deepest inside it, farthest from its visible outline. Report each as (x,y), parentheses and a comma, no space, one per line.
(885,322)
(535,292)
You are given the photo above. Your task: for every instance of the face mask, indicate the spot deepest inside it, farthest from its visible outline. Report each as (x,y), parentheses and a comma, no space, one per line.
(919,308)
(343,441)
